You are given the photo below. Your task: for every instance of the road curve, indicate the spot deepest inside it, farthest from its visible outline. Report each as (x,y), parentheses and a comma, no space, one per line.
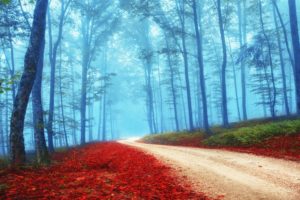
(230,174)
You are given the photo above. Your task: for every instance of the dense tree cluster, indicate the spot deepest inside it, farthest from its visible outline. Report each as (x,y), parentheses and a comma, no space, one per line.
(193,63)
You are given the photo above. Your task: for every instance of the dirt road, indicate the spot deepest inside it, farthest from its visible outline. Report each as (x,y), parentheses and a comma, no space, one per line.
(234,175)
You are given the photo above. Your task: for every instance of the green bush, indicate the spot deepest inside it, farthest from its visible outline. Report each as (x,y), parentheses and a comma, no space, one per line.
(247,136)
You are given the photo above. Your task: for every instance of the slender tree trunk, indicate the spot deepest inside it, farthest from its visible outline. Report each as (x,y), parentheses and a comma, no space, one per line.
(73,109)
(235,84)
(242,41)
(104,118)
(201,65)
(162,121)
(182,14)
(12,70)
(282,65)
(52,87)
(296,47)
(99,120)
(42,154)
(52,57)
(85,65)
(274,92)
(224,65)
(2,137)
(172,81)
(7,130)
(62,102)
(284,33)
(26,83)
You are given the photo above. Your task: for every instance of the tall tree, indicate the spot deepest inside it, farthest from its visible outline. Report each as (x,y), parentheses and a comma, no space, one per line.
(197,25)
(31,61)
(296,47)
(181,9)
(242,17)
(53,49)
(98,21)
(42,155)
(224,65)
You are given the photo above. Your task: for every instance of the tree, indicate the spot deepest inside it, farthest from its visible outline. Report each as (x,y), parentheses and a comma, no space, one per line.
(42,154)
(197,26)
(31,61)
(243,41)
(96,25)
(224,65)
(53,48)
(296,48)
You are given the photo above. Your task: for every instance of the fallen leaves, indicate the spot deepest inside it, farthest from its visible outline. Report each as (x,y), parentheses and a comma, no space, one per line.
(97,171)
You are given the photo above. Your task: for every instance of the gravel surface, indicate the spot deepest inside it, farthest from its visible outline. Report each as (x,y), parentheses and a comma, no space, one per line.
(230,175)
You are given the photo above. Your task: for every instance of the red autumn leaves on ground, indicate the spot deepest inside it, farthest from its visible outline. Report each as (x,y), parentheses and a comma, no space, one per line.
(287,147)
(96,171)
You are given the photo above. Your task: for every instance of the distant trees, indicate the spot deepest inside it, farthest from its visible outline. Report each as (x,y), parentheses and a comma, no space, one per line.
(98,20)
(53,49)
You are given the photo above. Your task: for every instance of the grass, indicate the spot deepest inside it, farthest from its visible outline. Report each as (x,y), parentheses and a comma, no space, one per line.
(254,134)
(185,138)
(238,135)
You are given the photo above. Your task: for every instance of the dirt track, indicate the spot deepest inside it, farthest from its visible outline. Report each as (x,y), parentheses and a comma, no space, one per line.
(234,175)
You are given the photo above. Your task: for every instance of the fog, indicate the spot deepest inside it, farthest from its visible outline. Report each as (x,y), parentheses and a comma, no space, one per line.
(126,68)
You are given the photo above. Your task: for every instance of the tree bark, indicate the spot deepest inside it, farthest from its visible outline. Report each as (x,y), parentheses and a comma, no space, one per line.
(224,65)
(282,66)
(201,66)
(296,47)
(26,83)
(42,154)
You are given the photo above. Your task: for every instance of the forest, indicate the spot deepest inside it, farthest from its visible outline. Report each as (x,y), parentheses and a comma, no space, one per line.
(76,75)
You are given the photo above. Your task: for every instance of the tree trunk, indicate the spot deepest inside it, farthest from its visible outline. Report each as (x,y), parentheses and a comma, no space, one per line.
(242,41)
(173,89)
(42,154)
(26,83)
(224,65)
(273,93)
(62,103)
(186,65)
(296,47)
(201,66)
(282,66)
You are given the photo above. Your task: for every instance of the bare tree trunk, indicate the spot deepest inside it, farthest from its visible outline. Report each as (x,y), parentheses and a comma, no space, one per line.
(273,94)
(26,83)
(62,103)
(201,65)
(296,47)
(242,40)
(282,66)
(42,154)
(182,13)
(224,65)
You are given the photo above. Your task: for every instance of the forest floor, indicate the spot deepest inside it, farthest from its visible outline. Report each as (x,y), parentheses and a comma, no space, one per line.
(97,171)
(231,175)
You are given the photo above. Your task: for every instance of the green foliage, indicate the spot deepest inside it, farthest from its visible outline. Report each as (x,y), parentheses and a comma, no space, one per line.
(5,84)
(247,136)
(244,134)
(5,1)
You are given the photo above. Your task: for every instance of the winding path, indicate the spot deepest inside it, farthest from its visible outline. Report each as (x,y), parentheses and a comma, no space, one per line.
(230,174)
